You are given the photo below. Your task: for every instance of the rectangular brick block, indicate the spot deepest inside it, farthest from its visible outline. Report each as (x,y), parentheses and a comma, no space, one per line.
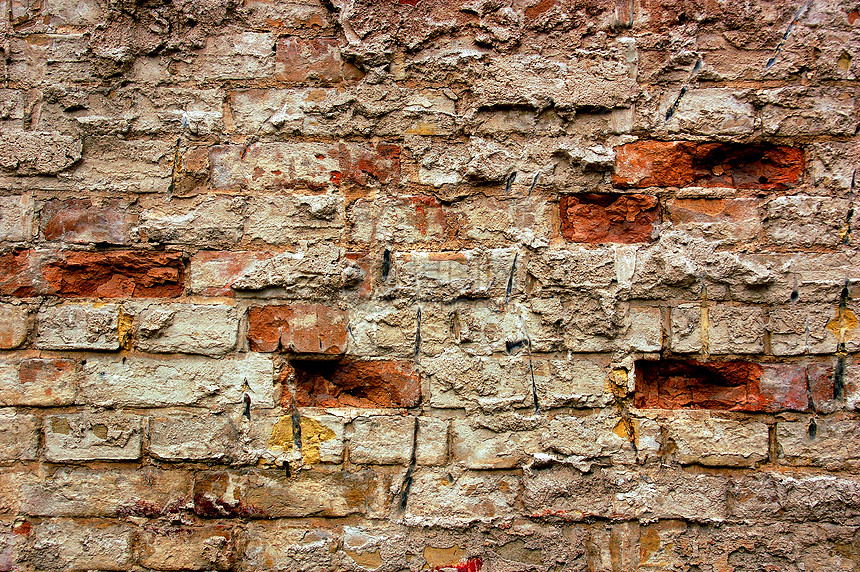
(298,328)
(180,547)
(470,497)
(92,436)
(770,496)
(178,437)
(19,275)
(481,448)
(38,382)
(724,220)
(381,440)
(322,438)
(19,436)
(16,218)
(209,329)
(316,60)
(596,218)
(730,329)
(828,442)
(688,164)
(78,327)
(14,325)
(281,220)
(212,272)
(185,380)
(117,274)
(261,493)
(451,275)
(81,546)
(71,491)
(38,153)
(315,166)
(80,221)
(213,222)
(728,385)
(348,383)
(703,439)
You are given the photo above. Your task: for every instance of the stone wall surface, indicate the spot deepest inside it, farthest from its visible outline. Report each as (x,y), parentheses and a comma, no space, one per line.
(402,285)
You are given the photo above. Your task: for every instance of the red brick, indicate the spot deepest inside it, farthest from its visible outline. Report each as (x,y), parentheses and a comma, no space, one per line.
(298,328)
(17,277)
(685,163)
(729,386)
(377,383)
(359,164)
(80,221)
(117,274)
(591,217)
(821,389)
(317,59)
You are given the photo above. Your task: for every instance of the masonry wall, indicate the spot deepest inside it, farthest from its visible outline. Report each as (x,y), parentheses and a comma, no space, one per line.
(500,285)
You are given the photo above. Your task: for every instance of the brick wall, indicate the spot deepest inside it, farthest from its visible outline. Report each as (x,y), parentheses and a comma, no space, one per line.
(508,285)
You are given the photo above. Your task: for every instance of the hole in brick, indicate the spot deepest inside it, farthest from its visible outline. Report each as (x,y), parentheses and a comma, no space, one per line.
(593,217)
(687,384)
(355,383)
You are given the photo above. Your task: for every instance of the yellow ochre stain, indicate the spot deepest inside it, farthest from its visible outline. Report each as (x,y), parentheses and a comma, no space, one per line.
(124,329)
(313,434)
(843,324)
(618,382)
(367,560)
(704,326)
(441,557)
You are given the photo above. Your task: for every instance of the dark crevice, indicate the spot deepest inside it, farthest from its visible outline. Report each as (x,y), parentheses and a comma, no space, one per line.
(407,479)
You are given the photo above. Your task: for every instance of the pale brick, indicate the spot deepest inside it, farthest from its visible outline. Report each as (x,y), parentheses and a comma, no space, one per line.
(81,546)
(686,328)
(180,547)
(188,328)
(78,327)
(210,437)
(247,55)
(707,112)
(771,496)
(624,493)
(13,325)
(148,382)
(432,446)
(135,166)
(92,436)
(381,440)
(480,448)
(596,436)
(572,382)
(799,111)
(801,329)
(585,267)
(452,275)
(803,221)
(37,382)
(19,436)
(70,491)
(731,330)
(284,220)
(437,498)
(645,333)
(16,218)
(216,222)
(827,442)
(703,439)
(286,546)
(212,273)
(38,153)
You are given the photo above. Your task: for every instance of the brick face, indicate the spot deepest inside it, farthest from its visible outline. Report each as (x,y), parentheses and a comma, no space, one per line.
(421,285)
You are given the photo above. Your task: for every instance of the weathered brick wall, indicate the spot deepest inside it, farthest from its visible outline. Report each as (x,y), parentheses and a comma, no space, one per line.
(498,285)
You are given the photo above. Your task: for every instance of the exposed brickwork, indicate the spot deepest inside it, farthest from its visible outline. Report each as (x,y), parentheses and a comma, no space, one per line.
(608,218)
(116,274)
(395,285)
(686,164)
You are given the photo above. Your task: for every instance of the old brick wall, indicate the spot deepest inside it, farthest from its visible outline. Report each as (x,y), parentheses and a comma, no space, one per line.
(497,285)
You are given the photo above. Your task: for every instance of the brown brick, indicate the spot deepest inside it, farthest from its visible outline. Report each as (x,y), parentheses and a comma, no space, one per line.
(116,274)
(298,328)
(591,217)
(684,163)
(728,385)
(16,274)
(377,383)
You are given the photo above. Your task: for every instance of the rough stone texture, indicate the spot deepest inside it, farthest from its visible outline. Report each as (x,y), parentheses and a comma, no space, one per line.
(92,436)
(485,286)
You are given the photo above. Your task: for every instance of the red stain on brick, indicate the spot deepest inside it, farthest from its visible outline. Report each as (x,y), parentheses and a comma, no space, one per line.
(82,222)
(360,164)
(728,386)
(16,274)
(117,274)
(536,10)
(685,163)
(591,217)
(298,328)
(853,16)
(310,59)
(40,370)
(352,383)
(473,564)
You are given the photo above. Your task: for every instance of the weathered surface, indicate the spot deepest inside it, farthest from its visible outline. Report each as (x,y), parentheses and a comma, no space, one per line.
(484,286)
